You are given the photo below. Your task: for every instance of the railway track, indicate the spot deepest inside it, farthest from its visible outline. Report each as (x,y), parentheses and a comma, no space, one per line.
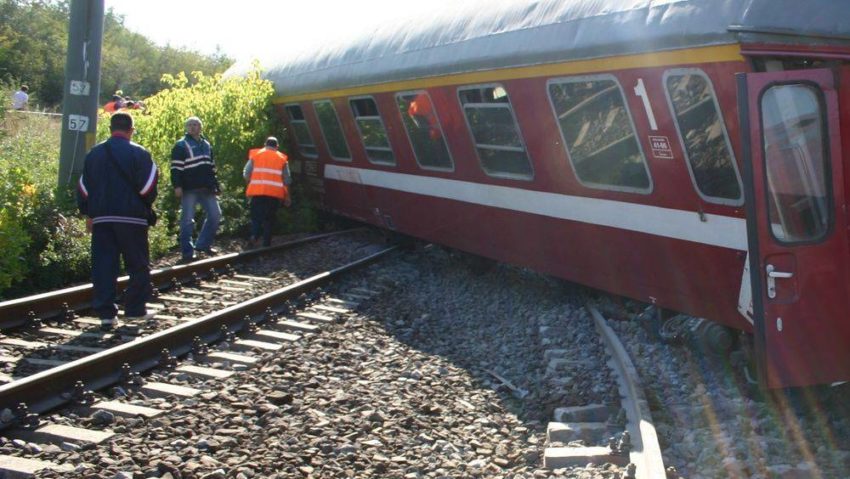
(65,302)
(45,344)
(265,324)
(580,434)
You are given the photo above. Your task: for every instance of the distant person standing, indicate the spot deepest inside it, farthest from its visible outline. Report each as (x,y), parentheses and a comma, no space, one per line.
(20,99)
(267,174)
(116,191)
(194,180)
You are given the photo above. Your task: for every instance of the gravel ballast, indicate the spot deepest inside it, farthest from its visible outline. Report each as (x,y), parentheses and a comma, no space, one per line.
(445,374)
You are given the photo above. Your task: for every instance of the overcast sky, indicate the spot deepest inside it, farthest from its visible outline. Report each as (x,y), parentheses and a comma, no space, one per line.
(246,29)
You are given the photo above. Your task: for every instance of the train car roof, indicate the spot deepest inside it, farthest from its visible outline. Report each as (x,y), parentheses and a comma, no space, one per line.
(475,35)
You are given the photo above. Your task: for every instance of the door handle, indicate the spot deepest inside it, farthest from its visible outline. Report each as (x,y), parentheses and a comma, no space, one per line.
(772,274)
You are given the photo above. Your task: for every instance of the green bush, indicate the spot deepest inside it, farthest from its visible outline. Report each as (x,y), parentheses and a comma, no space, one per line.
(42,238)
(237,115)
(44,245)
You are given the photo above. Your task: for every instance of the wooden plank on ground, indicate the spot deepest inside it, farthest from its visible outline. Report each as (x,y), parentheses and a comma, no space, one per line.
(127,410)
(164,389)
(319,318)
(248,344)
(58,433)
(233,357)
(331,309)
(265,334)
(204,373)
(295,326)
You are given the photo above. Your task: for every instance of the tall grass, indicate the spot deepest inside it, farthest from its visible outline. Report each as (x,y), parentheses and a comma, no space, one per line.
(42,242)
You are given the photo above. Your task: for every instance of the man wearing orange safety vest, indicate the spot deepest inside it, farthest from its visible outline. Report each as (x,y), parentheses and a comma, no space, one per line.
(267,174)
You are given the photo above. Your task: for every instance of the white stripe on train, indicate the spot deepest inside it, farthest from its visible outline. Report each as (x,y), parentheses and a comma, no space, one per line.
(716,230)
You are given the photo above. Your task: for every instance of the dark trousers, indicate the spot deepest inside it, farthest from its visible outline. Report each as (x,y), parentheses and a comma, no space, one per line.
(263,213)
(109,242)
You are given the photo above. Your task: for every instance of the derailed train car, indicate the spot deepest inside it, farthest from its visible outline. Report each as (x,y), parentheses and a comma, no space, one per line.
(684,153)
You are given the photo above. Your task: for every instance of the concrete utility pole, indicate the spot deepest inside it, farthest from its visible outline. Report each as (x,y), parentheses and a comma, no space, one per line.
(82,87)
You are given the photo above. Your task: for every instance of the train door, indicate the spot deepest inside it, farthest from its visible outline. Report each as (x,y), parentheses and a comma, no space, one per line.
(797,225)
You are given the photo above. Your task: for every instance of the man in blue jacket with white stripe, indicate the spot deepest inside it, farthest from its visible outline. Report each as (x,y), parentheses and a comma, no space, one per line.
(116,191)
(194,181)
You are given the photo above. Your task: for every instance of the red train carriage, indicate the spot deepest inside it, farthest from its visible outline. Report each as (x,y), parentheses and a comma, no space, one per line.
(612,144)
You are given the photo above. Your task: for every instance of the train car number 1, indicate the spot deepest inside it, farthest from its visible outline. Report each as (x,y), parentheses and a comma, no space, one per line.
(640,91)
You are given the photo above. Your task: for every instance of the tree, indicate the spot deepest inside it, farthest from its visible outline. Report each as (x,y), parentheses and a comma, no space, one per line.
(30,31)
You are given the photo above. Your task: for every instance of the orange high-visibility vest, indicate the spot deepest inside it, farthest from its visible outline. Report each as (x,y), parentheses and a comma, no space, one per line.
(267,175)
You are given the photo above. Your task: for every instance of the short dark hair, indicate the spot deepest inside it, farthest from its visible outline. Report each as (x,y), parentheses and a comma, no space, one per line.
(24,88)
(121,121)
(271,141)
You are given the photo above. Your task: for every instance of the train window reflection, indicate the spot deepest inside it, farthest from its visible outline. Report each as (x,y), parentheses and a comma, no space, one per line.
(494,129)
(372,130)
(424,130)
(796,163)
(302,132)
(703,134)
(332,130)
(598,133)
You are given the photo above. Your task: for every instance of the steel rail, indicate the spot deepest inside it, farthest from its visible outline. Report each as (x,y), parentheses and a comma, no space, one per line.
(646,452)
(48,389)
(15,312)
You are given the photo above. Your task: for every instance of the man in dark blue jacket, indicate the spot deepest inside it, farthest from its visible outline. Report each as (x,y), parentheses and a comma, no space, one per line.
(116,191)
(194,181)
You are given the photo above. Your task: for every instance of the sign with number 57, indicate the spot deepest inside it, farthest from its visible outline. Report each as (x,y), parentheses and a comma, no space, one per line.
(78,123)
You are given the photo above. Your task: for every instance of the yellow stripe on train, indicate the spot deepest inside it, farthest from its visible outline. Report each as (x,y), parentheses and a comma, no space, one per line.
(689,56)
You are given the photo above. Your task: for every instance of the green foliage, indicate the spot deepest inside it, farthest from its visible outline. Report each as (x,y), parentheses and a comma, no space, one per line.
(33,41)
(13,237)
(43,244)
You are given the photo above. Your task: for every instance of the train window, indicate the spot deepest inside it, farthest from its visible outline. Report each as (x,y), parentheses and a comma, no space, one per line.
(332,130)
(302,132)
(703,134)
(372,130)
(424,130)
(495,132)
(794,138)
(599,134)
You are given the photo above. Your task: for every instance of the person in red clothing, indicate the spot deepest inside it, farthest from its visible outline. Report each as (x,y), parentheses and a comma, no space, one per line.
(422,113)
(114,105)
(267,174)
